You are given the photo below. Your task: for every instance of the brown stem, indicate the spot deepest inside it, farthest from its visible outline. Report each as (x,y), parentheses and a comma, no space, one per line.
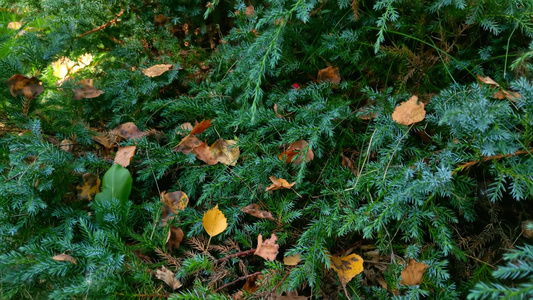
(242,253)
(112,22)
(277,285)
(237,280)
(493,157)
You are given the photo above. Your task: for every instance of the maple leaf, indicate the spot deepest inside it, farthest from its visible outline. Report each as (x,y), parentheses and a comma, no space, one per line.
(254,210)
(413,272)
(329,74)
(409,112)
(124,155)
(297,149)
(168,277)
(90,188)
(347,266)
(26,86)
(214,221)
(176,201)
(267,249)
(156,70)
(279,184)
(174,237)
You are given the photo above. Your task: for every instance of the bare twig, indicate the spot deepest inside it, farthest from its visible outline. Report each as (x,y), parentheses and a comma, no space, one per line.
(242,253)
(112,22)
(237,280)
(493,157)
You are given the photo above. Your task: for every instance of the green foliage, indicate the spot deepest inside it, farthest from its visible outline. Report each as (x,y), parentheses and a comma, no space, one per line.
(450,191)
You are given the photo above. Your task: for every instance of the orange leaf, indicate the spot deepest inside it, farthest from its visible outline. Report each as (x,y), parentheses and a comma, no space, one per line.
(214,221)
(413,272)
(22,85)
(267,249)
(329,74)
(487,80)
(201,127)
(252,284)
(203,153)
(225,151)
(124,155)
(254,210)
(292,260)
(297,149)
(347,266)
(279,184)
(409,112)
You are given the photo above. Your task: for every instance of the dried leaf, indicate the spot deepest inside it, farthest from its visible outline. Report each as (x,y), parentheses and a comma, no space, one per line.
(22,85)
(174,238)
(91,187)
(128,131)
(187,144)
(279,184)
(250,11)
(252,284)
(526,228)
(276,111)
(347,266)
(254,210)
(167,215)
(409,112)
(156,70)
(124,155)
(65,257)
(214,221)
(87,91)
(176,201)
(160,20)
(413,272)
(267,249)
(185,128)
(297,149)
(487,80)
(14,25)
(346,162)
(105,141)
(168,277)
(292,260)
(289,296)
(67,145)
(329,74)
(203,153)
(201,127)
(225,152)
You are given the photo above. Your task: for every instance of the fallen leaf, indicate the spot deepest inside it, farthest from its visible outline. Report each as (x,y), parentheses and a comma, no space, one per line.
(346,162)
(176,201)
(267,249)
(214,221)
(174,238)
(65,257)
(296,149)
(87,91)
(289,296)
(329,74)
(91,187)
(66,145)
(160,20)
(106,141)
(203,153)
(250,11)
(409,112)
(413,272)
(85,60)
(187,144)
(185,128)
(225,152)
(14,25)
(252,284)
(487,80)
(128,131)
(292,260)
(124,155)
(201,127)
(167,215)
(22,85)
(526,228)
(168,277)
(279,184)
(156,70)
(276,111)
(347,266)
(254,210)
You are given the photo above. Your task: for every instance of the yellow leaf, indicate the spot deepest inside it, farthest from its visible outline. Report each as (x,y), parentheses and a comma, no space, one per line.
(214,221)
(292,260)
(409,112)
(156,70)
(90,187)
(278,184)
(347,266)
(225,152)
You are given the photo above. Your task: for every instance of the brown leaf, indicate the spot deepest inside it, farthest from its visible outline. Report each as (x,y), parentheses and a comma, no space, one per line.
(203,153)
(22,85)
(65,257)
(525,228)
(346,162)
(156,70)
(252,284)
(413,272)
(409,112)
(254,210)
(187,144)
(91,187)
(267,249)
(225,152)
(185,128)
(102,139)
(292,260)
(329,74)
(128,131)
(289,296)
(168,277)
(487,80)
(67,145)
(201,127)
(174,238)
(87,91)
(297,149)
(160,20)
(14,25)
(276,111)
(176,201)
(347,266)
(279,184)
(124,155)
(250,11)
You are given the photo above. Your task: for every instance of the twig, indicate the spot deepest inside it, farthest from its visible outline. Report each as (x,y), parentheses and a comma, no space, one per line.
(242,253)
(493,157)
(145,295)
(277,285)
(112,22)
(237,280)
